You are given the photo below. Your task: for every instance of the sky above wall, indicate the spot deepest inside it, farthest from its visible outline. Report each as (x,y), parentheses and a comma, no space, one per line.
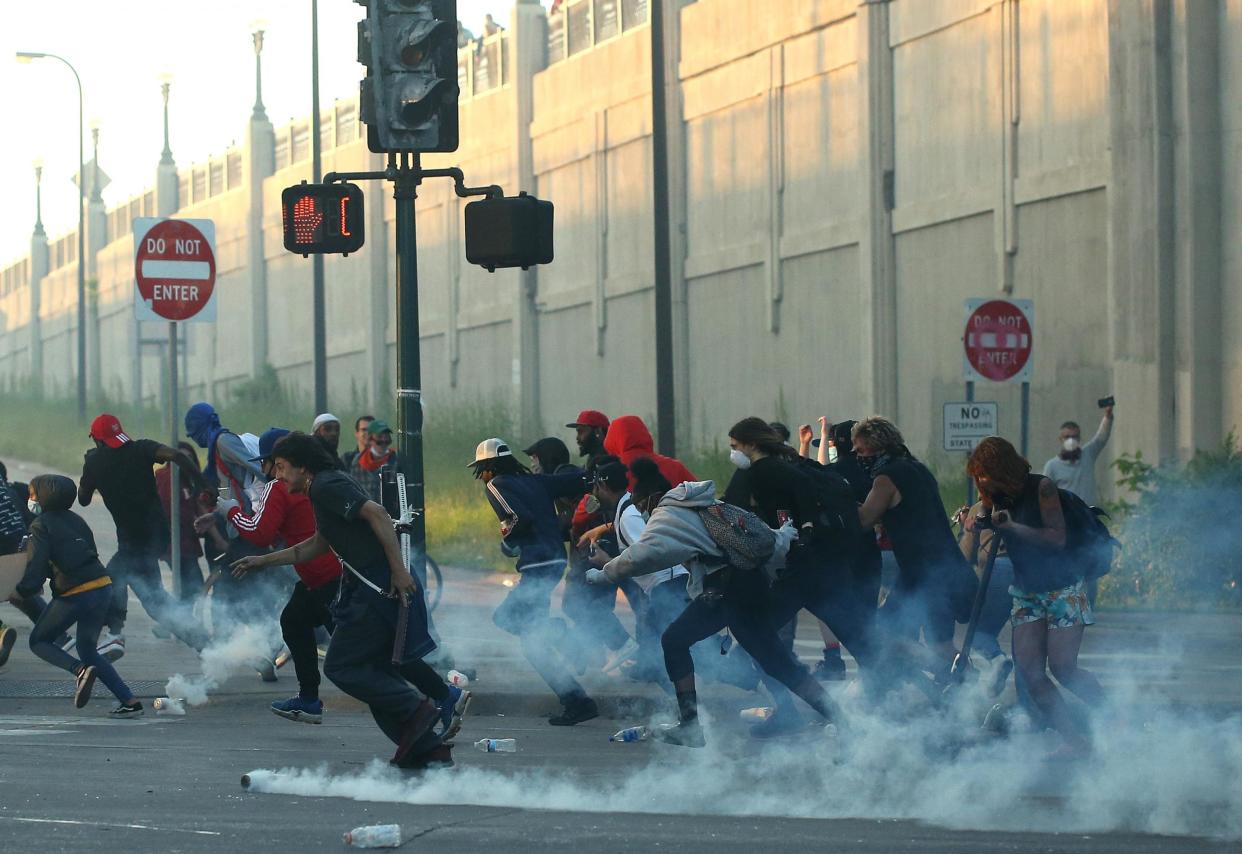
(121,48)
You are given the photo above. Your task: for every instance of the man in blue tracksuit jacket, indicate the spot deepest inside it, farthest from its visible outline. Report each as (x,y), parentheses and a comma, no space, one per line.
(531,532)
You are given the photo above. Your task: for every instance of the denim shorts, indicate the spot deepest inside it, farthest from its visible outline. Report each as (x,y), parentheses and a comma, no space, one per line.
(1063,609)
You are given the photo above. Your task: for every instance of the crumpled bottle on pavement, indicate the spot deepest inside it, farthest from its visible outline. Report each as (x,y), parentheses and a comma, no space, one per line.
(374,836)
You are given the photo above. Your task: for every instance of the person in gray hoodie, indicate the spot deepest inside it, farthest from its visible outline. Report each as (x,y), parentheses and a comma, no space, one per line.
(722,596)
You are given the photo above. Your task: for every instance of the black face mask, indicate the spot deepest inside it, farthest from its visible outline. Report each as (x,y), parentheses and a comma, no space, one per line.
(871,464)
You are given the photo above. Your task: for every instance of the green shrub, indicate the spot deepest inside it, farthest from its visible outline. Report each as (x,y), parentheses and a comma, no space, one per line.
(1180,539)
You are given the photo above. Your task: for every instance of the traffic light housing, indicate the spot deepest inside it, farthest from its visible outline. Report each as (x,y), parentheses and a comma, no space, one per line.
(323,219)
(509,232)
(409,96)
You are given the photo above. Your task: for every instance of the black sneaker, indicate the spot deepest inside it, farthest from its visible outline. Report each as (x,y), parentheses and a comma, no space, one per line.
(132,709)
(575,712)
(829,669)
(86,681)
(685,734)
(8,637)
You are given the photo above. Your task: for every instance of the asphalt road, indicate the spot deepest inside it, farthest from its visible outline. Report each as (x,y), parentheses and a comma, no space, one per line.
(75,780)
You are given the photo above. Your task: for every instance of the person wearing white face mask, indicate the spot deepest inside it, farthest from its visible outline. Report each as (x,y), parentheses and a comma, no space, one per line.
(1073,469)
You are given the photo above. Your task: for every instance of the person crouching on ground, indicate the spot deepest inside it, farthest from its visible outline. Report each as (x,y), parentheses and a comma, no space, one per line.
(366,612)
(62,548)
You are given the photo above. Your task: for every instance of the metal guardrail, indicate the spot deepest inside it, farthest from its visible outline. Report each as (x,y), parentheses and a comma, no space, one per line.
(580,25)
(483,65)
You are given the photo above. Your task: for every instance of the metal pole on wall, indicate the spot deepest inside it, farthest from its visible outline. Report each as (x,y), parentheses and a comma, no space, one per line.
(666,415)
(174,480)
(970,482)
(318,322)
(409,365)
(1026,417)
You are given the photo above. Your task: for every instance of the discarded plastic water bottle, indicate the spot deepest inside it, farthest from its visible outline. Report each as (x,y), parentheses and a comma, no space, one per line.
(759,713)
(374,836)
(634,733)
(168,706)
(496,745)
(457,678)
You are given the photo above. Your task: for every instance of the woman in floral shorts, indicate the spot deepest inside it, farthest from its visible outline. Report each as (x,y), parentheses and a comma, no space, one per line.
(1050,606)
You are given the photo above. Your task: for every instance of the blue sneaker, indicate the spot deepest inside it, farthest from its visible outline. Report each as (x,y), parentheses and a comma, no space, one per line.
(298,709)
(452,710)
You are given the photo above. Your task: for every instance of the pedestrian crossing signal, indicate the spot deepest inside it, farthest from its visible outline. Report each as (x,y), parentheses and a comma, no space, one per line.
(323,219)
(514,231)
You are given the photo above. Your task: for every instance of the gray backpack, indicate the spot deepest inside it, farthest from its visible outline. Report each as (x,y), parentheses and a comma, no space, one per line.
(748,543)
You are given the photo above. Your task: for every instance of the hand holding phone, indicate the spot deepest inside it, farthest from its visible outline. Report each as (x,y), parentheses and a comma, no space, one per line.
(1106,402)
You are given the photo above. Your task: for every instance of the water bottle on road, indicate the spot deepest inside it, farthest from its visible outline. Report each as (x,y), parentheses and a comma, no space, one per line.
(634,733)
(496,745)
(457,678)
(374,836)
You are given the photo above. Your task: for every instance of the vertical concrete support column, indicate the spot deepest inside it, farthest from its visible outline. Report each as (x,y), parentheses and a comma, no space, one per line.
(528,49)
(599,175)
(1199,265)
(1141,221)
(380,302)
(39,265)
(877,256)
(96,240)
(775,114)
(675,129)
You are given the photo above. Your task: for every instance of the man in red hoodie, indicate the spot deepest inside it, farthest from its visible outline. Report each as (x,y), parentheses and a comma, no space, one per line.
(628,439)
(283,518)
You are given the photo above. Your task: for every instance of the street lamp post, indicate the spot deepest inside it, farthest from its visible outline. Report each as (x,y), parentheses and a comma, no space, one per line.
(319,323)
(27,56)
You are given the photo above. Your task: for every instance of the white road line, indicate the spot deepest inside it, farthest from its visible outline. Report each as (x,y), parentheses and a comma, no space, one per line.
(109,824)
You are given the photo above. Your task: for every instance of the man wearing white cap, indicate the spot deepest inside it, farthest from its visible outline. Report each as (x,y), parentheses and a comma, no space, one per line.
(327,429)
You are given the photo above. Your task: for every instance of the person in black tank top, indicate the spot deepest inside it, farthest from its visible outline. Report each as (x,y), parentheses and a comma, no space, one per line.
(1050,601)
(935,587)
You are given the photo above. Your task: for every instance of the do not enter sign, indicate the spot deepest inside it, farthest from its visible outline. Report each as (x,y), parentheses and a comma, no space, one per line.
(175,269)
(998,340)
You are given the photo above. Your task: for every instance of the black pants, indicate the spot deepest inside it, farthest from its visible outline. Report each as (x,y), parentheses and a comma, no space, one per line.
(137,566)
(525,613)
(833,595)
(306,611)
(591,608)
(740,602)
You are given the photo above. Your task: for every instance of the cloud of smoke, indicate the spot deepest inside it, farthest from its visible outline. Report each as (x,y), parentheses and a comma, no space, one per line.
(1171,774)
(242,649)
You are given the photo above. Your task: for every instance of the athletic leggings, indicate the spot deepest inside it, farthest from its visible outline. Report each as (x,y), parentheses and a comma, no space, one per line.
(738,601)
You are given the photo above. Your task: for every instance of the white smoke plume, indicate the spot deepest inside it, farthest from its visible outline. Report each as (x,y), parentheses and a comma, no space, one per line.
(1170,774)
(241,650)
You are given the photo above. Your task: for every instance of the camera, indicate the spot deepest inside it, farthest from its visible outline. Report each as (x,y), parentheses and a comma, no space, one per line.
(1105,402)
(983,522)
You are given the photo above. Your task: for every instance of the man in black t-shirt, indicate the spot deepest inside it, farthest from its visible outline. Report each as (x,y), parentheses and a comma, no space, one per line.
(360,659)
(121,469)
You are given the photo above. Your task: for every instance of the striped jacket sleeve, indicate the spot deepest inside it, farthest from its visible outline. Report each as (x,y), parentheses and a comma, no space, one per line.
(262,525)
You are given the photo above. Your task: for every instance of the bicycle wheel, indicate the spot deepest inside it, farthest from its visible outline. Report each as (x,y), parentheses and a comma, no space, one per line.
(435,584)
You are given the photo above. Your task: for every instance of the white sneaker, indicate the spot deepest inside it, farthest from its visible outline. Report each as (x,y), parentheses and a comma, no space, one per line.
(617,657)
(111,646)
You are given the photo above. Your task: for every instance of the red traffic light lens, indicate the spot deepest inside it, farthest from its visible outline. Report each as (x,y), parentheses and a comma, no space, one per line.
(323,219)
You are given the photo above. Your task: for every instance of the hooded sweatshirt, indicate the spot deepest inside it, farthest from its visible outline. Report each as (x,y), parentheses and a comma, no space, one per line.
(628,439)
(524,503)
(229,461)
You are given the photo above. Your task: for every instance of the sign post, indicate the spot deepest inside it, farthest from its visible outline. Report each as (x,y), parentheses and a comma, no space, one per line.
(175,278)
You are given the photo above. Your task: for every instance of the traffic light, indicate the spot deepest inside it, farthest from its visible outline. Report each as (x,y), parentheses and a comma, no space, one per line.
(409,96)
(323,219)
(509,232)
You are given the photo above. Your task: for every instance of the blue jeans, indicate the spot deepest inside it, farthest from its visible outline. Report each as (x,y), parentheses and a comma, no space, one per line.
(89,610)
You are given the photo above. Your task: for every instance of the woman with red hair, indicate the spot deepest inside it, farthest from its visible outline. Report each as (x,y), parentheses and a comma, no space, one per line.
(1050,607)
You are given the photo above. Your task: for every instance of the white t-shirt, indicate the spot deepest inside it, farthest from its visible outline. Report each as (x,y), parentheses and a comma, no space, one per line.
(629,526)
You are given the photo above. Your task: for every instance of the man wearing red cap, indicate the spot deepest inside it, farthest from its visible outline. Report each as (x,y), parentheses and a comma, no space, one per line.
(120,468)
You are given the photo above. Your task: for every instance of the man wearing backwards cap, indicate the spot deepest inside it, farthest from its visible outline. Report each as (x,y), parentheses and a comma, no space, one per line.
(120,468)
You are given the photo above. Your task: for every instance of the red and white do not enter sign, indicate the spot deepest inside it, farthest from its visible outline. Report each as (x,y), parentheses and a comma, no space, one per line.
(175,267)
(999,339)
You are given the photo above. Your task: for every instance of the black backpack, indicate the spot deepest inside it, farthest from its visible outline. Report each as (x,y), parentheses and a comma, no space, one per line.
(838,510)
(1087,540)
